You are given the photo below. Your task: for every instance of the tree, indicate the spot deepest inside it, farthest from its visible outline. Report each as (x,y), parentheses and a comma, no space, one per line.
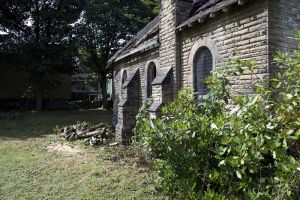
(104,27)
(154,5)
(39,37)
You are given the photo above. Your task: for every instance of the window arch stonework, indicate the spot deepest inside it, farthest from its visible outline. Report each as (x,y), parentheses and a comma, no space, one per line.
(151,71)
(203,65)
(204,54)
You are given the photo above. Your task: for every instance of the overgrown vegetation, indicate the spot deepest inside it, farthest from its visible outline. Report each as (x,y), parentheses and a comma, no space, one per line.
(231,146)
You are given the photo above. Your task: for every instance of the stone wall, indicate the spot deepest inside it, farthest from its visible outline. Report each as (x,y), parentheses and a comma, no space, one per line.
(284,20)
(242,32)
(162,87)
(128,107)
(172,13)
(131,64)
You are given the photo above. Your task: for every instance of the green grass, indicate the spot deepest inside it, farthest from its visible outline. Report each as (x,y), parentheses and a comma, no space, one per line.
(29,170)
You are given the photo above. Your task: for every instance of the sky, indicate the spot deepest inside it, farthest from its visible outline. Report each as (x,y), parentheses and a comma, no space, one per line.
(3,32)
(28,22)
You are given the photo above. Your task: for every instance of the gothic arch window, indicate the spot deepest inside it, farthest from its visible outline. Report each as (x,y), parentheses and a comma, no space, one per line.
(124,76)
(203,66)
(151,74)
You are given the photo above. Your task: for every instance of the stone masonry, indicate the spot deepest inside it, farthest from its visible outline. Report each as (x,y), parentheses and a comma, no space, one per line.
(245,29)
(240,33)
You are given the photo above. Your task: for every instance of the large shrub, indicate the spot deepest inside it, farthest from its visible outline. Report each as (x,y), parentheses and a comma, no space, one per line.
(231,146)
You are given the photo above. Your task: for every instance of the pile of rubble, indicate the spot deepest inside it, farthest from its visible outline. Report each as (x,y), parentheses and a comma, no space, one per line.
(92,135)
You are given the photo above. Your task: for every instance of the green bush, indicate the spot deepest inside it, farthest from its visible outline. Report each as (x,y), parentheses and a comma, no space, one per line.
(230,146)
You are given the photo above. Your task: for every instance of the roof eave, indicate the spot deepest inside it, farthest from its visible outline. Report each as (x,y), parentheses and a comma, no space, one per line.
(210,13)
(143,48)
(149,46)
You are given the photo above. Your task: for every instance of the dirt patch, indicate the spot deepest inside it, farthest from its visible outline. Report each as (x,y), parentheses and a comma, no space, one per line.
(64,148)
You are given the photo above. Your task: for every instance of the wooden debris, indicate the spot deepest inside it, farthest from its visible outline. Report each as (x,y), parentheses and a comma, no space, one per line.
(115,144)
(92,135)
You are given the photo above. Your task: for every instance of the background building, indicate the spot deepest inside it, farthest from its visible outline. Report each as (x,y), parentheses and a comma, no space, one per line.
(86,87)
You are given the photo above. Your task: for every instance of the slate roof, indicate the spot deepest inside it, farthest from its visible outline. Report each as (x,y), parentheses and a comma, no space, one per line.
(199,11)
(203,8)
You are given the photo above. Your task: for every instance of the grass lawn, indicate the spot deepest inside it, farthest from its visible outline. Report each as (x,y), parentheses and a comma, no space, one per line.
(36,164)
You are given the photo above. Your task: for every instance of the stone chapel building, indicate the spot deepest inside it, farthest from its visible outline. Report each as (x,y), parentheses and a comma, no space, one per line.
(189,38)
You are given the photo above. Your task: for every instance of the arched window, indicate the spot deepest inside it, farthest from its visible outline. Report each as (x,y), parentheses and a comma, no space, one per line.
(124,76)
(203,65)
(151,74)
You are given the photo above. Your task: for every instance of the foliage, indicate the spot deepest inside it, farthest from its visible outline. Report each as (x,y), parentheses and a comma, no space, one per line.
(104,27)
(82,125)
(142,117)
(42,37)
(231,146)
(138,147)
(39,40)
(153,5)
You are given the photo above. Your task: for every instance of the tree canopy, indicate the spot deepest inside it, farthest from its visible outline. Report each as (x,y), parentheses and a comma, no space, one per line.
(39,39)
(104,27)
(43,37)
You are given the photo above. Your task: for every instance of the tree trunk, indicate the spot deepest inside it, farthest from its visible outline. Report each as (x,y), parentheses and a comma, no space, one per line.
(39,102)
(104,90)
(98,86)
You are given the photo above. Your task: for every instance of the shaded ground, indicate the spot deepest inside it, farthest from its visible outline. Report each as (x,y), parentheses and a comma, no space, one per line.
(33,124)
(35,164)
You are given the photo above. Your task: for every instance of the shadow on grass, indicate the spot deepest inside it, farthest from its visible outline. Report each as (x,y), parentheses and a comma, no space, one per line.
(37,124)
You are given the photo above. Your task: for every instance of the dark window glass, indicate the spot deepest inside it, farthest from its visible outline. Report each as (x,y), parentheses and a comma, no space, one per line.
(203,65)
(151,74)
(124,76)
